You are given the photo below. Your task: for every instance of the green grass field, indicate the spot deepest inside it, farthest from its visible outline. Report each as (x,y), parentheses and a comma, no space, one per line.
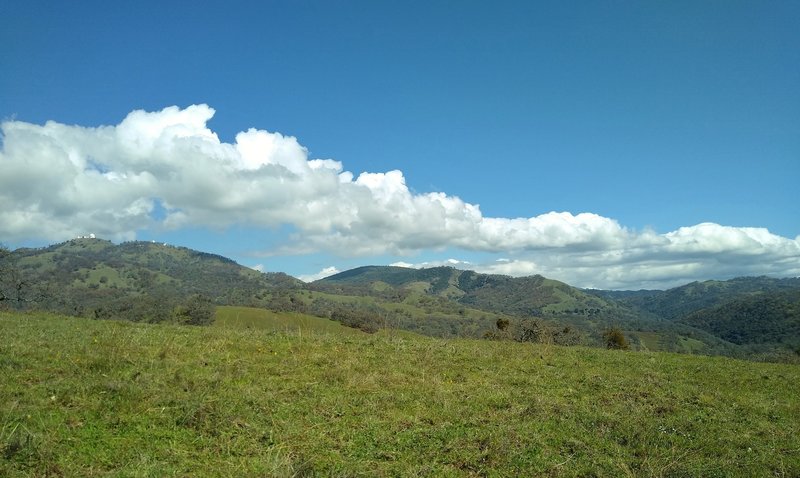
(81,397)
(291,322)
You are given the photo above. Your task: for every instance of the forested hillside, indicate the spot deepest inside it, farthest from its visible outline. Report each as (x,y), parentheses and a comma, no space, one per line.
(533,296)
(680,301)
(760,320)
(132,280)
(566,314)
(758,314)
(152,282)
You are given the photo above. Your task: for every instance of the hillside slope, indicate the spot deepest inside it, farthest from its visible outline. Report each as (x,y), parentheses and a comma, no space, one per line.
(83,276)
(533,297)
(678,302)
(107,398)
(764,319)
(144,281)
(522,296)
(759,313)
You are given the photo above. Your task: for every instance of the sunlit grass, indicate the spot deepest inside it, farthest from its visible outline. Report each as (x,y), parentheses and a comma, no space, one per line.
(99,398)
(262,319)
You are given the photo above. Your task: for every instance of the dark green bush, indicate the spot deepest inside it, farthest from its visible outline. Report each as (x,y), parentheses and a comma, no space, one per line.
(615,339)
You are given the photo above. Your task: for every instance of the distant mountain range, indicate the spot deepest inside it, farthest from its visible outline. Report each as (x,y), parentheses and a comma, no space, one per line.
(742,316)
(751,311)
(755,316)
(533,296)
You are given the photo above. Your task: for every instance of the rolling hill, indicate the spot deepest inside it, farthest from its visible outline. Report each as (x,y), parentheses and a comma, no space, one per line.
(134,280)
(145,281)
(681,301)
(763,319)
(759,314)
(533,296)
(558,305)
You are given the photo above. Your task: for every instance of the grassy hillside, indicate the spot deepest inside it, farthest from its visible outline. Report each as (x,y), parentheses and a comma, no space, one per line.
(234,317)
(84,276)
(402,309)
(556,303)
(521,296)
(251,318)
(152,282)
(82,397)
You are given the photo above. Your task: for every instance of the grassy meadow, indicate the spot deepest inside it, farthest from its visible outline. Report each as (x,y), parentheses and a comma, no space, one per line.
(232,317)
(83,397)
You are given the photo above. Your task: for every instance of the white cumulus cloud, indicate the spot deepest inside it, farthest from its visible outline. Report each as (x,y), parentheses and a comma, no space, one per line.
(168,170)
(326,272)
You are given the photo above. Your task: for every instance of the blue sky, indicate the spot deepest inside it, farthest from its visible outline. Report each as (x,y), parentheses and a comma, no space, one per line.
(618,145)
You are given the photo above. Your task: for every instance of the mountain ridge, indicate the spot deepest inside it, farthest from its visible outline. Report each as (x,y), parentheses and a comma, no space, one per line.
(679,317)
(135,280)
